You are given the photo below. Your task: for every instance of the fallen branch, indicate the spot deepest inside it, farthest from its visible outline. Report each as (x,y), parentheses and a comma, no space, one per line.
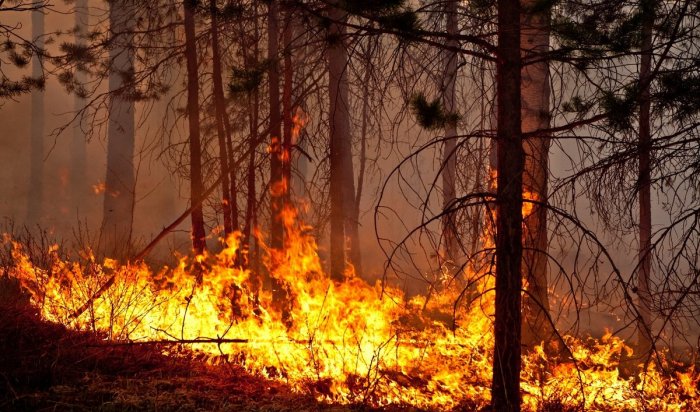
(169,342)
(216,341)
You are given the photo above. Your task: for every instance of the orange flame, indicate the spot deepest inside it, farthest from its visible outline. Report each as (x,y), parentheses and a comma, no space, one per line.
(342,342)
(99,187)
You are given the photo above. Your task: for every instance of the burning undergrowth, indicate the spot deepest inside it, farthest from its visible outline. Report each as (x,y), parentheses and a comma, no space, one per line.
(47,366)
(342,343)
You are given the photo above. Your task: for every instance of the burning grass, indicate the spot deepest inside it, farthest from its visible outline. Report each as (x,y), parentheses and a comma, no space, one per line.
(46,366)
(338,343)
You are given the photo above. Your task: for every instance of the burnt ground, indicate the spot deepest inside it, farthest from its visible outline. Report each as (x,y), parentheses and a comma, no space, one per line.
(46,367)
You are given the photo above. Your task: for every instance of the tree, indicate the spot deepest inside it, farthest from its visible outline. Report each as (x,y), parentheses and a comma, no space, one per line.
(341,187)
(36,161)
(505,390)
(276,183)
(78,148)
(223,132)
(449,156)
(644,337)
(120,182)
(198,235)
(252,79)
(287,106)
(534,43)
(623,162)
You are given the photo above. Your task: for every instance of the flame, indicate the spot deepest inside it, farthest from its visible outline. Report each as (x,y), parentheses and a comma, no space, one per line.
(279,188)
(99,187)
(299,121)
(342,342)
(528,205)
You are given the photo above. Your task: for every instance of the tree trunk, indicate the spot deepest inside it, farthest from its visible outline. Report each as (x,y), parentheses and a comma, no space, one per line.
(78,176)
(251,207)
(251,60)
(120,182)
(342,191)
(644,337)
(357,261)
(220,108)
(505,390)
(36,160)
(198,235)
(233,188)
(300,163)
(449,156)
(287,109)
(276,198)
(535,96)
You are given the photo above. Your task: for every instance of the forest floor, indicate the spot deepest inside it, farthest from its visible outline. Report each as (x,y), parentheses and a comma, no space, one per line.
(46,367)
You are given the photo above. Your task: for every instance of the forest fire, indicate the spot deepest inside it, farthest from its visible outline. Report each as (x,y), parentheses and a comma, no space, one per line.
(342,342)
(377,205)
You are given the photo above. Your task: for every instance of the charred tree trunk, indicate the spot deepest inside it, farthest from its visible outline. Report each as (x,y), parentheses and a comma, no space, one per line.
(120,182)
(449,156)
(220,108)
(276,198)
(36,160)
(198,235)
(78,150)
(505,389)
(342,188)
(644,336)
(535,96)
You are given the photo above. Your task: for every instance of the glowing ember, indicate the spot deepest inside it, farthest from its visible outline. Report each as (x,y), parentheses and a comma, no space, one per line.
(343,342)
(99,188)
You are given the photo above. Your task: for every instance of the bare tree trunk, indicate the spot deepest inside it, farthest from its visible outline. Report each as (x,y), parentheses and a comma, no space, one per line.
(253,120)
(220,107)
(352,225)
(342,191)
(449,156)
(287,108)
(250,215)
(644,337)
(535,96)
(299,161)
(357,260)
(233,187)
(198,235)
(36,160)
(505,390)
(78,151)
(276,200)
(120,182)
